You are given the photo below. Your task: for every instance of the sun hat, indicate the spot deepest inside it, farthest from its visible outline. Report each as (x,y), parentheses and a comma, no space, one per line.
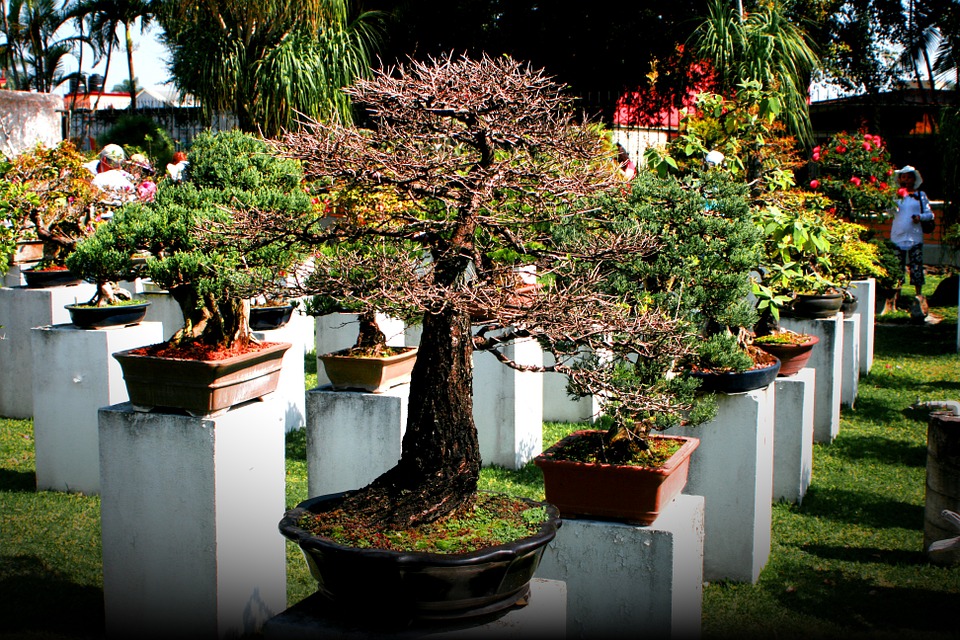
(714,158)
(918,179)
(112,155)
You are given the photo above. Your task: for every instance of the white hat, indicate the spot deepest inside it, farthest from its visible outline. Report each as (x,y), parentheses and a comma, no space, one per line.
(918,179)
(714,157)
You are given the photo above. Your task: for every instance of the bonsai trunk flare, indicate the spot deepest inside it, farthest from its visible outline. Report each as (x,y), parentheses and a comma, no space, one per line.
(210,320)
(440,464)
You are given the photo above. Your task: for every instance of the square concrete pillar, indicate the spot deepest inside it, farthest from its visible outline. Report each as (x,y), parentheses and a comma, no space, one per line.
(22,309)
(866,292)
(558,406)
(733,470)
(352,436)
(290,387)
(793,435)
(850,379)
(628,581)
(74,375)
(544,616)
(508,405)
(189,513)
(163,309)
(827,360)
(337,331)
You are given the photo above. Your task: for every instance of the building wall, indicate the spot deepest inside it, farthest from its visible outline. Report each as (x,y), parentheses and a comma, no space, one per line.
(28,118)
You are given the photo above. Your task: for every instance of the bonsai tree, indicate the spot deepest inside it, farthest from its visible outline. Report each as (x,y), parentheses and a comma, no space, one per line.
(181,234)
(47,195)
(490,169)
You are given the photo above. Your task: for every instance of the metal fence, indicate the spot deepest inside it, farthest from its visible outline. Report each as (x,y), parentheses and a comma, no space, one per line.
(84,126)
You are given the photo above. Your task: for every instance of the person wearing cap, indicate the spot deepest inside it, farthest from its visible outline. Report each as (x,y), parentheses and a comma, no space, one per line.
(905,231)
(111,157)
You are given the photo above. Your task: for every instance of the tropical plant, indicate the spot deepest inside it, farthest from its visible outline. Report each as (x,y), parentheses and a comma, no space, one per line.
(181,232)
(35,50)
(104,18)
(854,171)
(269,63)
(491,162)
(764,45)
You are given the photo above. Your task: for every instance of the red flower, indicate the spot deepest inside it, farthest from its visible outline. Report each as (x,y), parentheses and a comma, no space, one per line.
(816,156)
(883,185)
(902,192)
(873,179)
(855,181)
(816,149)
(832,210)
(814,183)
(867,146)
(841,149)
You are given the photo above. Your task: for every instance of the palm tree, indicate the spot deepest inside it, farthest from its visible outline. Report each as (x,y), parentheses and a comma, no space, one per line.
(104,19)
(33,52)
(762,45)
(267,62)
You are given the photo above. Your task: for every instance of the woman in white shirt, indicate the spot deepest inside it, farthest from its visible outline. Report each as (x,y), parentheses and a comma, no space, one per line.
(905,232)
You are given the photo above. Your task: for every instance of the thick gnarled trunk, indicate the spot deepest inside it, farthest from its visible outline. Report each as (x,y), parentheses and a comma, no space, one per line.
(218,321)
(440,465)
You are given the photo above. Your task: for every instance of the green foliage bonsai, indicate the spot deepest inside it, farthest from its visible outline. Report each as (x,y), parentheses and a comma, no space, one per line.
(182,234)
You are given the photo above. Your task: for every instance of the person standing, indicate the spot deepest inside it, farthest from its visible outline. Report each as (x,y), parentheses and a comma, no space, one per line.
(905,231)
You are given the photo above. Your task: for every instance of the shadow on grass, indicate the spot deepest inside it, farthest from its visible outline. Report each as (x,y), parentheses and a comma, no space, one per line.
(915,340)
(18,480)
(30,593)
(865,555)
(879,449)
(296,445)
(861,606)
(862,508)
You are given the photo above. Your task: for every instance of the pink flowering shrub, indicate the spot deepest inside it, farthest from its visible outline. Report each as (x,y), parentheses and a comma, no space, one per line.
(855,172)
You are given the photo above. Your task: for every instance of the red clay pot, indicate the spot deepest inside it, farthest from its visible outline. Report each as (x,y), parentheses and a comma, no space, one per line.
(793,357)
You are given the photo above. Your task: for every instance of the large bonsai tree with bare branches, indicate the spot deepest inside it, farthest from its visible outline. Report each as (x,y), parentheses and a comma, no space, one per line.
(470,172)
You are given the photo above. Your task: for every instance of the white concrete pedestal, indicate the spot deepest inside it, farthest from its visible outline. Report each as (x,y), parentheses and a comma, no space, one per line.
(21,309)
(827,360)
(163,309)
(337,331)
(558,406)
(314,617)
(627,581)
(352,436)
(290,387)
(793,435)
(508,405)
(866,292)
(74,375)
(850,378)
(733,470)
(189,512)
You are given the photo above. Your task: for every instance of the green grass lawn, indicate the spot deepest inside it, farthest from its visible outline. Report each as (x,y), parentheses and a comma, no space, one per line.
(846,563)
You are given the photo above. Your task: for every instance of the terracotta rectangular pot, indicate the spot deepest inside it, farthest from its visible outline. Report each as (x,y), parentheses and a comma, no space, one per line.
(200,387)
(613,492)
(373,374)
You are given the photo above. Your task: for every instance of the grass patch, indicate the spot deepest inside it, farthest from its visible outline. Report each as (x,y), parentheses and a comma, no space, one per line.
(846,563)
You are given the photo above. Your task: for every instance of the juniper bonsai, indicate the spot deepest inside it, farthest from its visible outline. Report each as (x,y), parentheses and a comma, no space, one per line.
(487,170)
(181,232)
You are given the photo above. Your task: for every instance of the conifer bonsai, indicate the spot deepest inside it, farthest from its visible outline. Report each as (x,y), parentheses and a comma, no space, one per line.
(491,175)
(181,233)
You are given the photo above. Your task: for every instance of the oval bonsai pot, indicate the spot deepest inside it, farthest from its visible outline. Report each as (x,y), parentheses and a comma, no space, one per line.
(624,493)
(204,388)
(793,357)
(49,278)
(269,318)
(409,586)
(737,381)
(816,306)
(117,315)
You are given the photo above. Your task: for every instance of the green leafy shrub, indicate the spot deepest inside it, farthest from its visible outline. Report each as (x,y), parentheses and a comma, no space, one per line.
(855,172)
(140,134)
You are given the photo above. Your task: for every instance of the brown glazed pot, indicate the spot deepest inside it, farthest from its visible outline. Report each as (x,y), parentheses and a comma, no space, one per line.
(363,373)
(613,492)
(793,357)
